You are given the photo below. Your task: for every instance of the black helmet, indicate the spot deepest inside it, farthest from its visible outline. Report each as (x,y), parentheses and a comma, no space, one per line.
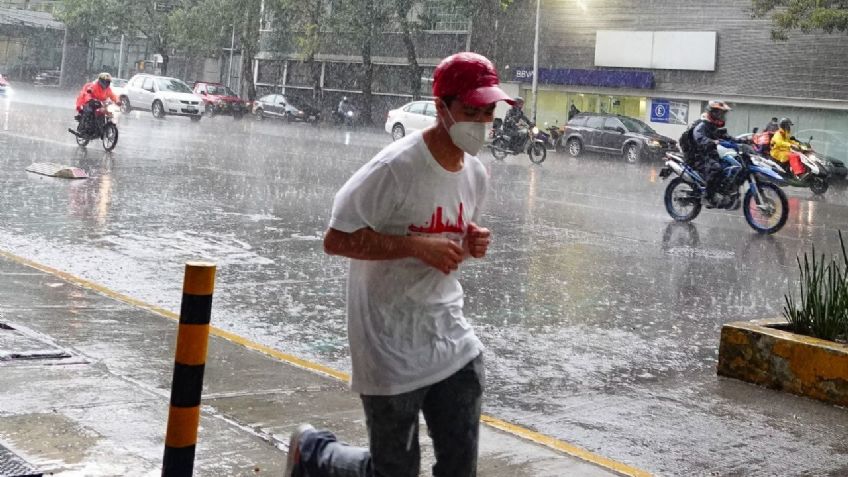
(786,124)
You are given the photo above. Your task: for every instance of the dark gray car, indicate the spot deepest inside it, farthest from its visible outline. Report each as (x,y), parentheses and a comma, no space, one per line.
(614,134)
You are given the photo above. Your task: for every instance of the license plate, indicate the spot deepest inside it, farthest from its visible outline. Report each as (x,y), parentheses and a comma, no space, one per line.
(191,109)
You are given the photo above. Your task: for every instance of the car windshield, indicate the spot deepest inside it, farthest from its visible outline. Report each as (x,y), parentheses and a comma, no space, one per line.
(175,85)
(119,82)
(634,125)
(219,90)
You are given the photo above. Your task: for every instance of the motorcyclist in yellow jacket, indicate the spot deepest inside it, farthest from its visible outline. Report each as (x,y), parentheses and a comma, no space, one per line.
(781,148)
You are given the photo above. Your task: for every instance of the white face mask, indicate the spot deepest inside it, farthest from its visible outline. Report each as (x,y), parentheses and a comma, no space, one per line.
(468,135)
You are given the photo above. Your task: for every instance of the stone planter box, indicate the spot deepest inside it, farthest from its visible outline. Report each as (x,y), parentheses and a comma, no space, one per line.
(764,353)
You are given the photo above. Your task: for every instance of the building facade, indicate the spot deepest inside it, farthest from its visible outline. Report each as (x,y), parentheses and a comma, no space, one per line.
(280,67)
(661,60)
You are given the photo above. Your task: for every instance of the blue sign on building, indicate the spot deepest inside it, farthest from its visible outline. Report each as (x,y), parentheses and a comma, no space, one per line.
(660,111)
(599,78)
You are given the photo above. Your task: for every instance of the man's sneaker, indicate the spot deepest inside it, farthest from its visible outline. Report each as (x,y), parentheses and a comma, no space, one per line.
(293,460)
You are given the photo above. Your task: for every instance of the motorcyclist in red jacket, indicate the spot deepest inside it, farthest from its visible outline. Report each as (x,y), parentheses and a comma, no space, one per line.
(99,90)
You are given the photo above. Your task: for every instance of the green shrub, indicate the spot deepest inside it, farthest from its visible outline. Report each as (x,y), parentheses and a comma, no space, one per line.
(822,309)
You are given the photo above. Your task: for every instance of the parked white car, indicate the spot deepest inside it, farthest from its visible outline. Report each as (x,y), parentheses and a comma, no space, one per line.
(119,87)
(162,96)
(410,117)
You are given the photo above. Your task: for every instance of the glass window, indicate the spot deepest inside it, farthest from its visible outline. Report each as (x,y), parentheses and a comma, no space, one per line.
(595,122)
(137,82)
(612,124)
(268,98)
(440,16)
(220,90)
(172,84)
(416,108)
(431,110)
(634,125)
(300,73)
(577,121)
(148,84)
(343,76)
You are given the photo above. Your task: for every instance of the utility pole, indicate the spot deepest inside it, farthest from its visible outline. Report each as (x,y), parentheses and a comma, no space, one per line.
(121,57)
(232,47)
(536,62)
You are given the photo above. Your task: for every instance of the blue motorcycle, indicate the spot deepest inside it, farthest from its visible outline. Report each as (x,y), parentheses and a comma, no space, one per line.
(764,202)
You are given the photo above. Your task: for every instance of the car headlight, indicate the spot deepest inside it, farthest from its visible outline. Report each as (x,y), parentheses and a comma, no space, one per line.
(654,143)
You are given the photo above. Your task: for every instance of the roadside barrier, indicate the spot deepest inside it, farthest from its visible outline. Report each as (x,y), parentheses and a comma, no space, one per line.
(189,364)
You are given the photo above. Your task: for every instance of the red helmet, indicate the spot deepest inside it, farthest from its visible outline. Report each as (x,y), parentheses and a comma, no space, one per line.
(469,77)
(717,112)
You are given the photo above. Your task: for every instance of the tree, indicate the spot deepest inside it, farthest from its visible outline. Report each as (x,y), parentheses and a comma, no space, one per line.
(804,15)
(402,9)
(361,18)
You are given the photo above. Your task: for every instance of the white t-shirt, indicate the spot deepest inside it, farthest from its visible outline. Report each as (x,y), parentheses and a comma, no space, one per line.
(405,321)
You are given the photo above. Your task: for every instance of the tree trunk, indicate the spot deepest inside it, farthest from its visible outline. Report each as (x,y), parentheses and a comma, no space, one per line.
(165,60)
(249,42)
(367,66)
(411,56)
(315,42)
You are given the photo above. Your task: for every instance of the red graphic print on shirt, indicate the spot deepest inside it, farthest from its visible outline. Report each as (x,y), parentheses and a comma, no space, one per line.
(437,226)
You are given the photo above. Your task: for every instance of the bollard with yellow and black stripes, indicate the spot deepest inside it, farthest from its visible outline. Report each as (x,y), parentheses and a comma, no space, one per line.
(192,343)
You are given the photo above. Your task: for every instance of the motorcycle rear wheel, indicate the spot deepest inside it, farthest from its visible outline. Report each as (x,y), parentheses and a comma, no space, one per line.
(682,200)
(770,216)
(499,148)
(110,137)
(819,185)
(538,153)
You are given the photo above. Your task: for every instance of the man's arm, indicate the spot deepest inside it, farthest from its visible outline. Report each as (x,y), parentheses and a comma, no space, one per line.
(440,253)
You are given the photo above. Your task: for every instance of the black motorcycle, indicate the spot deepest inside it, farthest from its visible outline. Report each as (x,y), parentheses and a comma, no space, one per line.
(95,122)
(524,140)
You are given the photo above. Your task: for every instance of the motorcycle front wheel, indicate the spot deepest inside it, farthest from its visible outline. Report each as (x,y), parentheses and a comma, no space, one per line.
(682,200)
(110,136)
(538,153)
(499,148)
(769,216)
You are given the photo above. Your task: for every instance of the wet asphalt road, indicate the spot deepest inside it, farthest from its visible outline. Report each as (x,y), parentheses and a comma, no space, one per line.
(601,316)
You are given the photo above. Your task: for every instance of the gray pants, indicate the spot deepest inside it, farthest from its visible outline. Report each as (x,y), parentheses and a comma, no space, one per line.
(452,411)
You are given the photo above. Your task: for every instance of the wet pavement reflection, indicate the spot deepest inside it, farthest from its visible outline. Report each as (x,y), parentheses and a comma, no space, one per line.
(600,314)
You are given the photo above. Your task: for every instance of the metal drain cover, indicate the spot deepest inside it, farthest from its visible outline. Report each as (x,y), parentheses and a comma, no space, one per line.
(11,465)
(19,344)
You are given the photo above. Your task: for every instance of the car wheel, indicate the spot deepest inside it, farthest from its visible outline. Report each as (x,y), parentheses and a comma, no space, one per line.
(158,110)
(210,110)
(398,131)
(125,105)
(260,114)
(574,146)
(631,153)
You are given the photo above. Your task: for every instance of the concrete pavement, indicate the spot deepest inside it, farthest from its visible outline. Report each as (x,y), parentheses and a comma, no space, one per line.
(85,380)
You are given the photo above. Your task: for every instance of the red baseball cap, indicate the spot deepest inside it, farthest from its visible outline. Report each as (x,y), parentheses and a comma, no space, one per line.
(471,78)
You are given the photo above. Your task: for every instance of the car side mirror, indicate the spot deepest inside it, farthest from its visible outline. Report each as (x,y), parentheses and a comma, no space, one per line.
(755,130)
(203,93)
(621,130)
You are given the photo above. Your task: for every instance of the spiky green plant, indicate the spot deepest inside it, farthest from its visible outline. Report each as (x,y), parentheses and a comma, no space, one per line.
(822,308)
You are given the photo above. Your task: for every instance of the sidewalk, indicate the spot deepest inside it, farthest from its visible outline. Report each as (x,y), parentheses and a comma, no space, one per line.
(86,394)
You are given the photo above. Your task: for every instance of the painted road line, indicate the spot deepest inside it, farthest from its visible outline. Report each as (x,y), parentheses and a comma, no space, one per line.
(516,430)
